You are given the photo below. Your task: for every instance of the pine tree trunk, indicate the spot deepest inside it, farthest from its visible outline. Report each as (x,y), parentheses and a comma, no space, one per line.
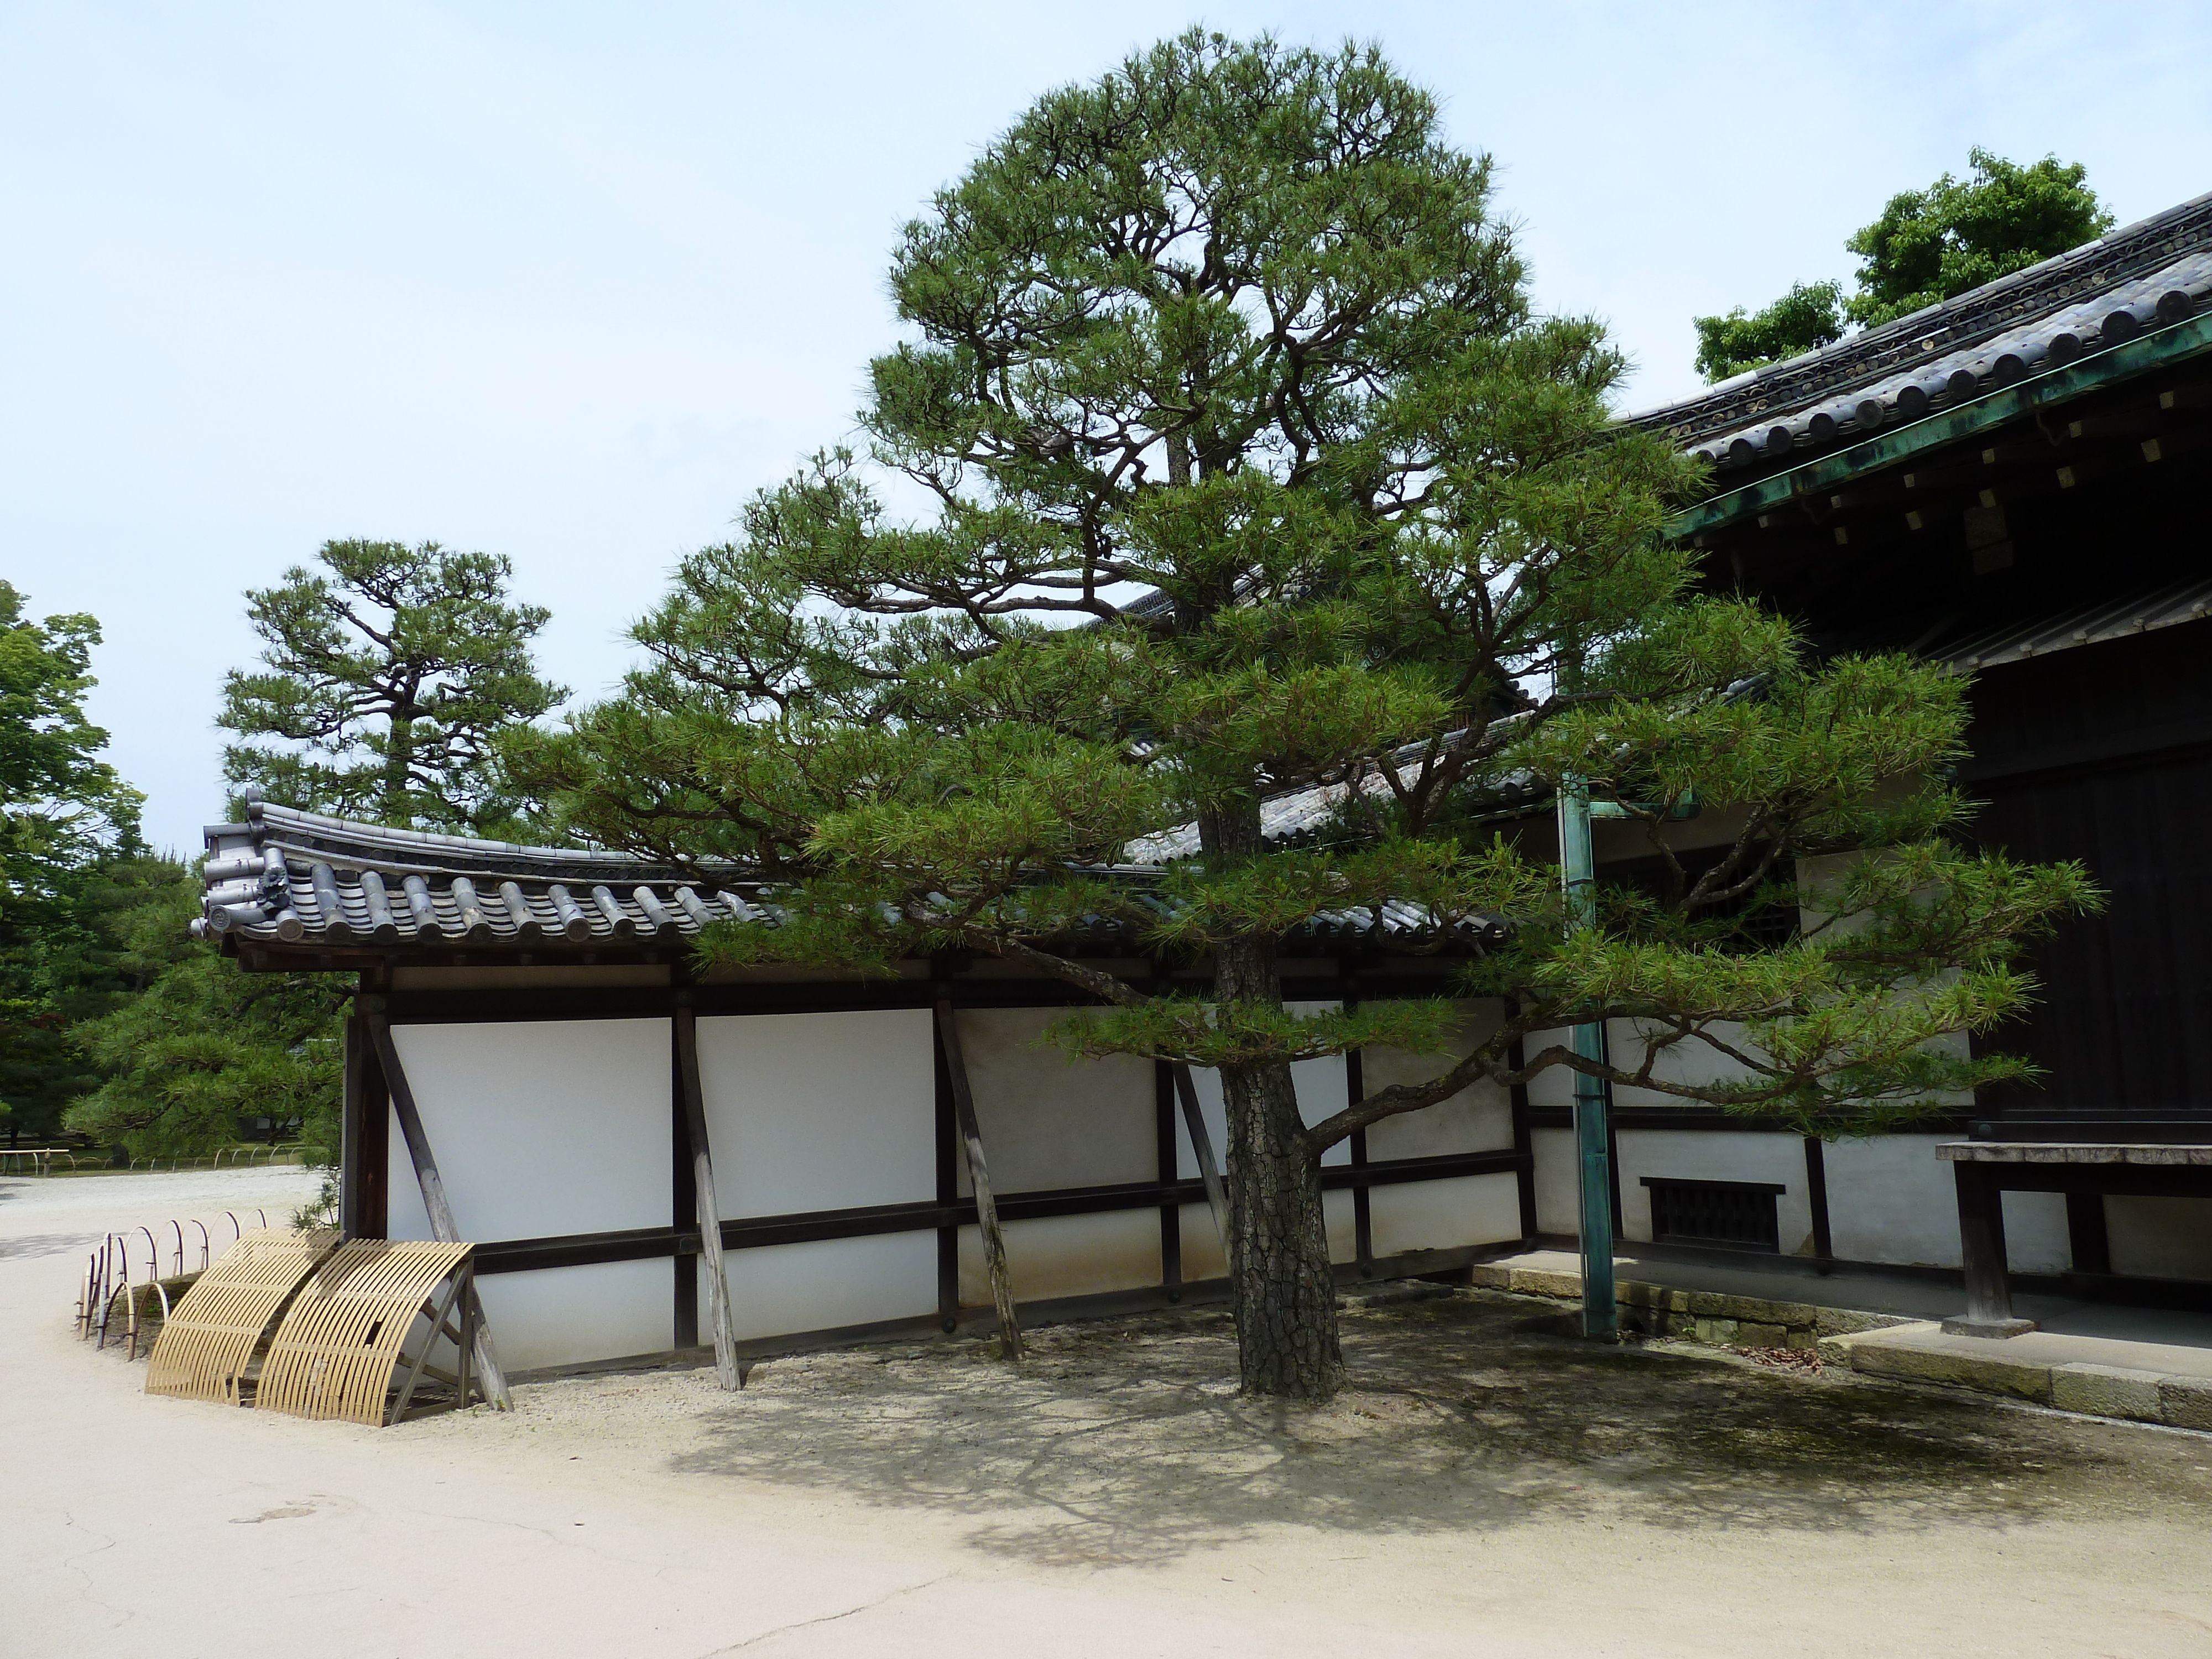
(1279,1283)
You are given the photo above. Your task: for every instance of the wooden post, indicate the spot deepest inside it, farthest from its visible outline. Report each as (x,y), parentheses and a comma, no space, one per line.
(1202,1144)
(1981,1251)
(2088,1244)
(1163,1151)
(979,1177)
(1524,1141)
(433,1197)
(1816,1193)
(710,1214)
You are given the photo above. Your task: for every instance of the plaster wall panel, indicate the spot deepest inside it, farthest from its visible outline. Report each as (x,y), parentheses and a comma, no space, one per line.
(1202,1254)
(1478,1118)
(819,1111)
(567,1316)
(1717,1155)
(828,1284)
(1067,1255)
(1320,1089)
(1557,1208)
(1342,1221)
(2159,1237)
(542,1128)
(1442,1215)
(1890,1199)
(1048,1120)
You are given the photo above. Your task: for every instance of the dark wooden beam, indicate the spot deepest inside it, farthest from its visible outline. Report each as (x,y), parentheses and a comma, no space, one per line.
(1816,1195)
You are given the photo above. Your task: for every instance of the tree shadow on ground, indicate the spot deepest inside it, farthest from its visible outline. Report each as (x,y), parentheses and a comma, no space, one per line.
(1124,1440)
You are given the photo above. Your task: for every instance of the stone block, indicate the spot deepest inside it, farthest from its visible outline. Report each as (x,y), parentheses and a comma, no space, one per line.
(2106,1391)
(1657,1298)
(1849,1322)
(1490,1276)
(2185,1401)
(1836,1352)
(1985,1374)
(1545,1281)
(1756,1334)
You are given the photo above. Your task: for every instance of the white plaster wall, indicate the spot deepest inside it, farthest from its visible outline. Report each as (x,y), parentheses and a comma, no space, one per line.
(1478,1118)
(1442,1215)
(1201,1245)
(1559,1208)
(1202,1255)
(1049,1121)
(1321,1094)
(1717,1155)
(1890,1198)
(552,1128)
(819,1111)
(566,1316)
(827,1284)
(2159,1237)
(1067,1255)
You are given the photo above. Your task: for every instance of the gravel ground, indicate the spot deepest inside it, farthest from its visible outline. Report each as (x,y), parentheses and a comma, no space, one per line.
(1489,1484)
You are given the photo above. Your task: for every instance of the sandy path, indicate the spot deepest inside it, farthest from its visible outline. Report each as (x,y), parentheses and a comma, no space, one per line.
(1489,1489)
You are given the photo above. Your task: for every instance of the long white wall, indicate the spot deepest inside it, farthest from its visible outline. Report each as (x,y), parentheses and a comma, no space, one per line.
(550,1128)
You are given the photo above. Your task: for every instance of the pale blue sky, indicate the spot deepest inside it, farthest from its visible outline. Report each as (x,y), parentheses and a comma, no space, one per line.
(567,282)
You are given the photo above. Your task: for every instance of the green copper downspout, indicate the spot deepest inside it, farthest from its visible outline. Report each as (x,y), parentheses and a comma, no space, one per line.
(1592,1161)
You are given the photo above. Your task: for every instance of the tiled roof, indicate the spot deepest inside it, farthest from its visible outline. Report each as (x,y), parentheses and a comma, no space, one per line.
(2147,277)
(2086,624)
(290,880)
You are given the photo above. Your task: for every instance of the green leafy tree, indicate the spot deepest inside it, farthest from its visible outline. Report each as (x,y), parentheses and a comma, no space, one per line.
(1808,317)
(201,1050)
(64,817)
(388,674)
(1931,245)
(1250,469)
(1928,245)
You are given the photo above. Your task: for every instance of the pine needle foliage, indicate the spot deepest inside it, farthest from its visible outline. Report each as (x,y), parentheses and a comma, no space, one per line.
(1250,467)
(387,676)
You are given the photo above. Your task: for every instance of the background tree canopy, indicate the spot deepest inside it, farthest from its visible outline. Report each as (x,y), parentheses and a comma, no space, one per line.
(1928,245)
(391,674)
(1251,469)
(388,673)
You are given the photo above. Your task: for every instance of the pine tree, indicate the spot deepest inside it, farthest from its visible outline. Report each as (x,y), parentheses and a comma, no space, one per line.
(387,677)
(1251,469)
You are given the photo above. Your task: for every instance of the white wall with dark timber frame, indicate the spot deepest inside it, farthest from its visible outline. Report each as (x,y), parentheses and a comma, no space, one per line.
(1051,1121)
(830,1111)
(1429,1215)
(543,1128)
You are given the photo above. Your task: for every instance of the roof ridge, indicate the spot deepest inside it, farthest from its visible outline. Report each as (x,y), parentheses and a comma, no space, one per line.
(1949,326)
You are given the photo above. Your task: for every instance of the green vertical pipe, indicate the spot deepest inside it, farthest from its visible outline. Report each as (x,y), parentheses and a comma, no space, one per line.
(1593,1157)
